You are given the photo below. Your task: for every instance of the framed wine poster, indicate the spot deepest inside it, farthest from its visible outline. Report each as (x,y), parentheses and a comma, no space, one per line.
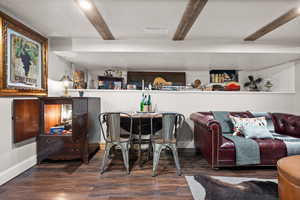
(23,59)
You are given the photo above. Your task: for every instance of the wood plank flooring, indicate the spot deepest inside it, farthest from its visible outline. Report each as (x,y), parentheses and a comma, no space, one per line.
(77,181)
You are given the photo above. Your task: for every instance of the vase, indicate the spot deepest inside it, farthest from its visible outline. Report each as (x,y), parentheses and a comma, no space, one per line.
(268,85)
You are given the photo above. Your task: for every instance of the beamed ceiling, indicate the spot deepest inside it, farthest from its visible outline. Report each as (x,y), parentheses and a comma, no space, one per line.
(163,21)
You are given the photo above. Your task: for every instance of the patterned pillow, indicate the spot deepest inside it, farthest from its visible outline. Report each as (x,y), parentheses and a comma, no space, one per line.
(239,122)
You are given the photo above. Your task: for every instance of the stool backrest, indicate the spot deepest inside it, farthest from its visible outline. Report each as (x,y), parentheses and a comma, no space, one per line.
(171,122)
(112,120)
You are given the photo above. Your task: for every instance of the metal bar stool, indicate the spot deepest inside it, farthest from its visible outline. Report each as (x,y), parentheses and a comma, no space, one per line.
(115,136)
(166,138)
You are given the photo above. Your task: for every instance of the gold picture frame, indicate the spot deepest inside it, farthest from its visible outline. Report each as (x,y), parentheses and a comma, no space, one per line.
(23,59)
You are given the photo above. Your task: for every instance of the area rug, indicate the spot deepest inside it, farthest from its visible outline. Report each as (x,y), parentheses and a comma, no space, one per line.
(219,188)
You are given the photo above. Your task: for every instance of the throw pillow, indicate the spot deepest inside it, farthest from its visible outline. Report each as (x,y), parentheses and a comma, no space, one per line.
(256,131)
(239,122)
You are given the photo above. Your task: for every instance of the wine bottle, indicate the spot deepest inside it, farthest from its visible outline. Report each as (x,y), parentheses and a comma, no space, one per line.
(149,103)
(142,103)
(146,106)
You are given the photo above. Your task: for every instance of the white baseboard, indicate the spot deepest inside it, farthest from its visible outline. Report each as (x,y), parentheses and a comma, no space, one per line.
(17,169)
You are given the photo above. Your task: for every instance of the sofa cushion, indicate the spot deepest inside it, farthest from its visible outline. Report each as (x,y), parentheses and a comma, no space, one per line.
(256,131)
(268,116)
(287,124)
(280,120)
(292,126)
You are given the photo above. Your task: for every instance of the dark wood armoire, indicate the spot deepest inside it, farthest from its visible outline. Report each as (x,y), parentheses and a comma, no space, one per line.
(65,128)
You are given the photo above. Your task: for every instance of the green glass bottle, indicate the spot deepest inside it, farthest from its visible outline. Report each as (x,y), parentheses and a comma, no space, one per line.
(142,103)
(149,103)
(146,104)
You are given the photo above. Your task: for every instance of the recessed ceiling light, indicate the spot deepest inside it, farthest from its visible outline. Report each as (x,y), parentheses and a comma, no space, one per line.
(85,4)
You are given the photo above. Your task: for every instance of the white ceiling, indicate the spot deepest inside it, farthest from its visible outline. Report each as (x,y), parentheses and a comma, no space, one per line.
(127,19)
(237,19)
(228,20)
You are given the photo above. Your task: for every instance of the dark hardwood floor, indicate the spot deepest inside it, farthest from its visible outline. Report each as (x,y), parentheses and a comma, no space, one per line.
(74,180)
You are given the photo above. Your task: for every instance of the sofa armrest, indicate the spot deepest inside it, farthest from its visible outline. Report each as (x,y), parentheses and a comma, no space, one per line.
(205,120)
(207,136)
(210,124)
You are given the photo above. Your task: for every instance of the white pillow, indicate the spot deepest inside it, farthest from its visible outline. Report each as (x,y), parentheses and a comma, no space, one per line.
(256,131)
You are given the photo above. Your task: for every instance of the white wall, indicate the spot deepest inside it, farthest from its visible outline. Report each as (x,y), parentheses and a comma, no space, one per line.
(297,87)
(282,76)
(57,67)
(16,158)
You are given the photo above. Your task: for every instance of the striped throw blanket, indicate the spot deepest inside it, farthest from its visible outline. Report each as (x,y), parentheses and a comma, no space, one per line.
(247,150)
(292,144)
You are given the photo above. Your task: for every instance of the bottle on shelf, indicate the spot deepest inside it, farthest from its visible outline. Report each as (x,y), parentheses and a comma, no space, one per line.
(149,103)
(146,105)
(142,103)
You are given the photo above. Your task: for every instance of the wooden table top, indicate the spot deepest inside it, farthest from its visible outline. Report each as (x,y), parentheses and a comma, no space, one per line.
(143,115)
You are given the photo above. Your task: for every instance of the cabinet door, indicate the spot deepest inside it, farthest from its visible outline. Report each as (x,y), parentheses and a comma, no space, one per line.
(79,118)
(79,126)
(26,119)
(94,109)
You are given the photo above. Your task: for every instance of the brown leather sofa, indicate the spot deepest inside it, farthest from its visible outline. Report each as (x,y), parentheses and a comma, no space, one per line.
(220,152)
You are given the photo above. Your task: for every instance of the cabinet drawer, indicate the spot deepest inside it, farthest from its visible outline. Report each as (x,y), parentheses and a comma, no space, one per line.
(58,148)
(67,140)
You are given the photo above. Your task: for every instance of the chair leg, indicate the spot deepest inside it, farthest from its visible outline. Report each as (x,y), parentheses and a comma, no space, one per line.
(130,148)
(125,153)
(156,155)
(105,157)
(149,150)
(175,156)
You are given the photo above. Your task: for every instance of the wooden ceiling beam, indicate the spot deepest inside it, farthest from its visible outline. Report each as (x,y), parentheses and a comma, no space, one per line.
(189,17)
(283,19)
(96,20)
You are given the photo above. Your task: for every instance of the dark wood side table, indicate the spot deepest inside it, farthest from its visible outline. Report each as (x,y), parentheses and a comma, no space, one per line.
(77,116)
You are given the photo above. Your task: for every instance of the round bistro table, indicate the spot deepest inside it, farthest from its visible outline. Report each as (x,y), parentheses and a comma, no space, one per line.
(141,121)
